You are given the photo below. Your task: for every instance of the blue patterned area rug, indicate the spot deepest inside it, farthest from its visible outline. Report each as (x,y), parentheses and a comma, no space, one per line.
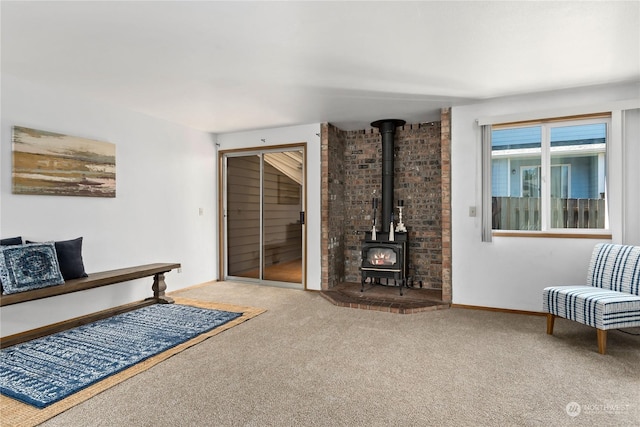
(45,370)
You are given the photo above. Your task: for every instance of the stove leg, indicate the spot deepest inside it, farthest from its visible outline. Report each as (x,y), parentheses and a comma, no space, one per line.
(401,286)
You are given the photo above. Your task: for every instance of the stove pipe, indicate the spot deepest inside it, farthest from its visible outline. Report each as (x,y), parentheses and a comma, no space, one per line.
(387,129)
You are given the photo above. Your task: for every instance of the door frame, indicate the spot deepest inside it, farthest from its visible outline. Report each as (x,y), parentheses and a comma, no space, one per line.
(222,223)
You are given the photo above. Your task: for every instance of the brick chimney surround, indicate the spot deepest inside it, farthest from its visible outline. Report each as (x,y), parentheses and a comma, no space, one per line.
(352,177)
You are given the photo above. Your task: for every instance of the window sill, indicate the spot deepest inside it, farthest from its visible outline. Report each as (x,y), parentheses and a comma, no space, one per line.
(555,234)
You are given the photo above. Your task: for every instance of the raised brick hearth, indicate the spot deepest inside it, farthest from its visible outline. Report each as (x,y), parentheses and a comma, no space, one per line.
(385,298)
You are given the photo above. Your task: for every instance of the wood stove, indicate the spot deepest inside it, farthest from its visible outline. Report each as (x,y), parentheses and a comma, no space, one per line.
(384,253)
(385,259)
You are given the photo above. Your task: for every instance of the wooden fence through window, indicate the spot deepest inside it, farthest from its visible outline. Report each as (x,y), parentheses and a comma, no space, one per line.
(523,213)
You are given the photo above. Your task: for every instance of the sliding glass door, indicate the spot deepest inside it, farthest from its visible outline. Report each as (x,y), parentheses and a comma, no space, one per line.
(263,211)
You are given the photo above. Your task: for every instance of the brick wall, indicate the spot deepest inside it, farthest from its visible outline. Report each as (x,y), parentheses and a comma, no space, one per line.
(353,174)
(333,208)
(445,149)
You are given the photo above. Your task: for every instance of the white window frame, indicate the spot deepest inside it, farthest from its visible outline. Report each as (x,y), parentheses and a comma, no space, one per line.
(546,152)
(620,137)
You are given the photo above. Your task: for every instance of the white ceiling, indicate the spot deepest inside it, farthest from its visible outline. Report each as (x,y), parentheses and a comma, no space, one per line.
(229,66)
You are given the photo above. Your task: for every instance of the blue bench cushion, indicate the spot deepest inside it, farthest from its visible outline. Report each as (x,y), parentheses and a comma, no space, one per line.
(593,306)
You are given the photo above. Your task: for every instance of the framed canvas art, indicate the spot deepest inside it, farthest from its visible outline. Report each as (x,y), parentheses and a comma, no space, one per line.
(48,163)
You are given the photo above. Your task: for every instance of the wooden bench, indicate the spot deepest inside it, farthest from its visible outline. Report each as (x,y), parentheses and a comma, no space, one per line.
(94,280)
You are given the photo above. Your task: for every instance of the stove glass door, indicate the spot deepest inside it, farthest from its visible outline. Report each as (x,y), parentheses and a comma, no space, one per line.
(381,256)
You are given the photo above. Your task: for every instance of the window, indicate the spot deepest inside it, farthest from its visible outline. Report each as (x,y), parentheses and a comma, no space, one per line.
(549,175)
(560,181)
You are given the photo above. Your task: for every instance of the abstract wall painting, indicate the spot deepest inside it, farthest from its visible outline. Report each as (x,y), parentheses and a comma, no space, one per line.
(47,163)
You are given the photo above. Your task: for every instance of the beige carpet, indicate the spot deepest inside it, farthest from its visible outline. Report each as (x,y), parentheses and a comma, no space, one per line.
(15,413)
(306,362)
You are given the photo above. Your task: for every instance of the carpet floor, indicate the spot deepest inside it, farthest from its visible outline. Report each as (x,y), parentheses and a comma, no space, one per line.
(16,413)
(307,362)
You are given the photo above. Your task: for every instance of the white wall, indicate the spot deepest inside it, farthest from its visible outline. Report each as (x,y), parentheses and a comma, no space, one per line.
(294,135)
(631,233)
(164,173)
(511,272)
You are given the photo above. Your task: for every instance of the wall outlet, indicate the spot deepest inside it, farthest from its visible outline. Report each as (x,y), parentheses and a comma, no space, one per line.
(179,270)
(472,211)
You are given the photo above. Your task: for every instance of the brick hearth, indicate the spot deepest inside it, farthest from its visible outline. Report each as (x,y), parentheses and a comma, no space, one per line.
(385,298)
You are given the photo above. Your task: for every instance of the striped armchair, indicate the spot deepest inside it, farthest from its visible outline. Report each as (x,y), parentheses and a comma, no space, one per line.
(610,299)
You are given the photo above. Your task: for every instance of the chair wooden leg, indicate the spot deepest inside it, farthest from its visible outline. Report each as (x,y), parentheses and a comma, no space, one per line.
(602,340)
(550,320)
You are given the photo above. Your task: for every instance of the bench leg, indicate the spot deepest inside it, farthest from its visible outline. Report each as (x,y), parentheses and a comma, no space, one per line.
(159,286)
(550,319)
(602,340)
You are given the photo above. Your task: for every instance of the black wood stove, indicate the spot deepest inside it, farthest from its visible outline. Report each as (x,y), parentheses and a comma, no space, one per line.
(385,259)
(385,254)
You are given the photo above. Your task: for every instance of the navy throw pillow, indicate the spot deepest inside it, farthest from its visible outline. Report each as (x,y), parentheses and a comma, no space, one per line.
(11,241)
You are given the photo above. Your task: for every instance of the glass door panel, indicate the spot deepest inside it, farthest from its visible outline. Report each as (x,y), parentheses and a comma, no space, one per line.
(282,204)
(243,216)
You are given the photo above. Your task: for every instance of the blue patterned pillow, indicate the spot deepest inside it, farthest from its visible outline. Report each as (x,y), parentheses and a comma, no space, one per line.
(69,253)
(27,267)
